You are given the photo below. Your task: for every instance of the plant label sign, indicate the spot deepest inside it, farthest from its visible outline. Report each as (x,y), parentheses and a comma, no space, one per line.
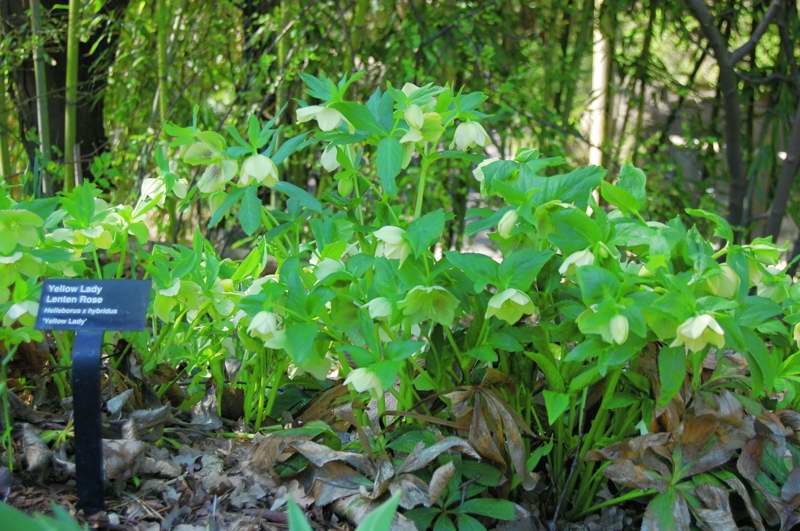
(90,307)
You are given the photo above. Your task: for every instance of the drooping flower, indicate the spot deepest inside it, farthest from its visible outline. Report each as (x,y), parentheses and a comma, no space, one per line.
(328,158)
(216,176)
(327,267)
(478,171)
(724,282)
(18,227)
(429,303)
(470,134)
(327,118)
(392,243)
(414,116)
(510,305)
(618,328)
(363,379)
(796,334)
(24,312)
(507,223)
(259,169)
(379,308)
(267,326)
(698,331)
(576,259)
(409,89)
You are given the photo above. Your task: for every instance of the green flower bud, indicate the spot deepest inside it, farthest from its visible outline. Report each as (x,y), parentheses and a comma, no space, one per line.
(392,243)
(506,225)
(724,282)
(618,328)
(432,303)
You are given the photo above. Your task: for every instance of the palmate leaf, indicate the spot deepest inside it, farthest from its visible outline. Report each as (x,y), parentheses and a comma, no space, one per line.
(425,231)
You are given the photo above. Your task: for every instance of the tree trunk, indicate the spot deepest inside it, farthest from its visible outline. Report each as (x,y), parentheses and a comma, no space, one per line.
(786,178)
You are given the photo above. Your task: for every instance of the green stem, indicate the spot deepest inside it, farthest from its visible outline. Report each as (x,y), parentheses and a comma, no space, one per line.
(5,157)
(632,495)
(42,113)
(423,175)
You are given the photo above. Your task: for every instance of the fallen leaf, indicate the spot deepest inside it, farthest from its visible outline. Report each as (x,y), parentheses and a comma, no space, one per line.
(441,477)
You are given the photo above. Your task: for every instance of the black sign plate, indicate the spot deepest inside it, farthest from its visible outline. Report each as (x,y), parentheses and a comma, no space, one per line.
(79,304)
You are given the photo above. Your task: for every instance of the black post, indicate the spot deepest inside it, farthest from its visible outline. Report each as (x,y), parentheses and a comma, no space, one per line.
(86,412)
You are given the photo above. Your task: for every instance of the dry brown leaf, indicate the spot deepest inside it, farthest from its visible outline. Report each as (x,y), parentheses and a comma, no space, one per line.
(419,459)
(37,453)
(441,477)
(635,476)
(413,491)
(333,481)
(319,455)
(121,458)
(715,514)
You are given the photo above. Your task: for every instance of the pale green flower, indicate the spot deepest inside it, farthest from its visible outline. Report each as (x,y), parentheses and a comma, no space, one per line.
(470,134)
(392,243)
(796,334)
(327,118)
(432,303)
(506,225)
(575,260)
(414,116)
(328,158)
(216,176)
(724,282)
(267,327)
(409,89)
(363,379)
(697,332)
(478,171)
(618,329)
(23,312)
(412,136)
(510,305)
(258,169)
(379,308)
(18,227)
(326,267)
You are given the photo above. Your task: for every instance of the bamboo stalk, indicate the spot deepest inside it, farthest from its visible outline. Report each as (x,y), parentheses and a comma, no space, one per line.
(42,112)
(162,19)
(5,156)
(71,97)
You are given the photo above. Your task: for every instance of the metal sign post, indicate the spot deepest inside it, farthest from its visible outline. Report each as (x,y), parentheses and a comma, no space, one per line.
(90,307)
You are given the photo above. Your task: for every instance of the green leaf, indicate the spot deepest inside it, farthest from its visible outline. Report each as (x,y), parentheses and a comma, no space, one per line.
(14,519)
(556,404)
(292,145)
(467,523)
(619,197)
(541,451)
(381,517)
(671,373)
(300,342)
(322,89)
(380,105)
(425,231)
(443,523)
(389,163)
(359,115)
(520,268)
(721,227)
(300,195)
(634,181)
(757,310)
(595,282)
(250,211)
(479,268)
(497,509)
(231,199)
(297,520)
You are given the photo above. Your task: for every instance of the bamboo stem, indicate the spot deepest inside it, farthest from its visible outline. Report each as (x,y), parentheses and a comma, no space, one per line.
(71,95)
(42,112)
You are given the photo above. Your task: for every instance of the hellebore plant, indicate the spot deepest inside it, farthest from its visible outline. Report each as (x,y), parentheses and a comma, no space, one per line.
(583,329)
